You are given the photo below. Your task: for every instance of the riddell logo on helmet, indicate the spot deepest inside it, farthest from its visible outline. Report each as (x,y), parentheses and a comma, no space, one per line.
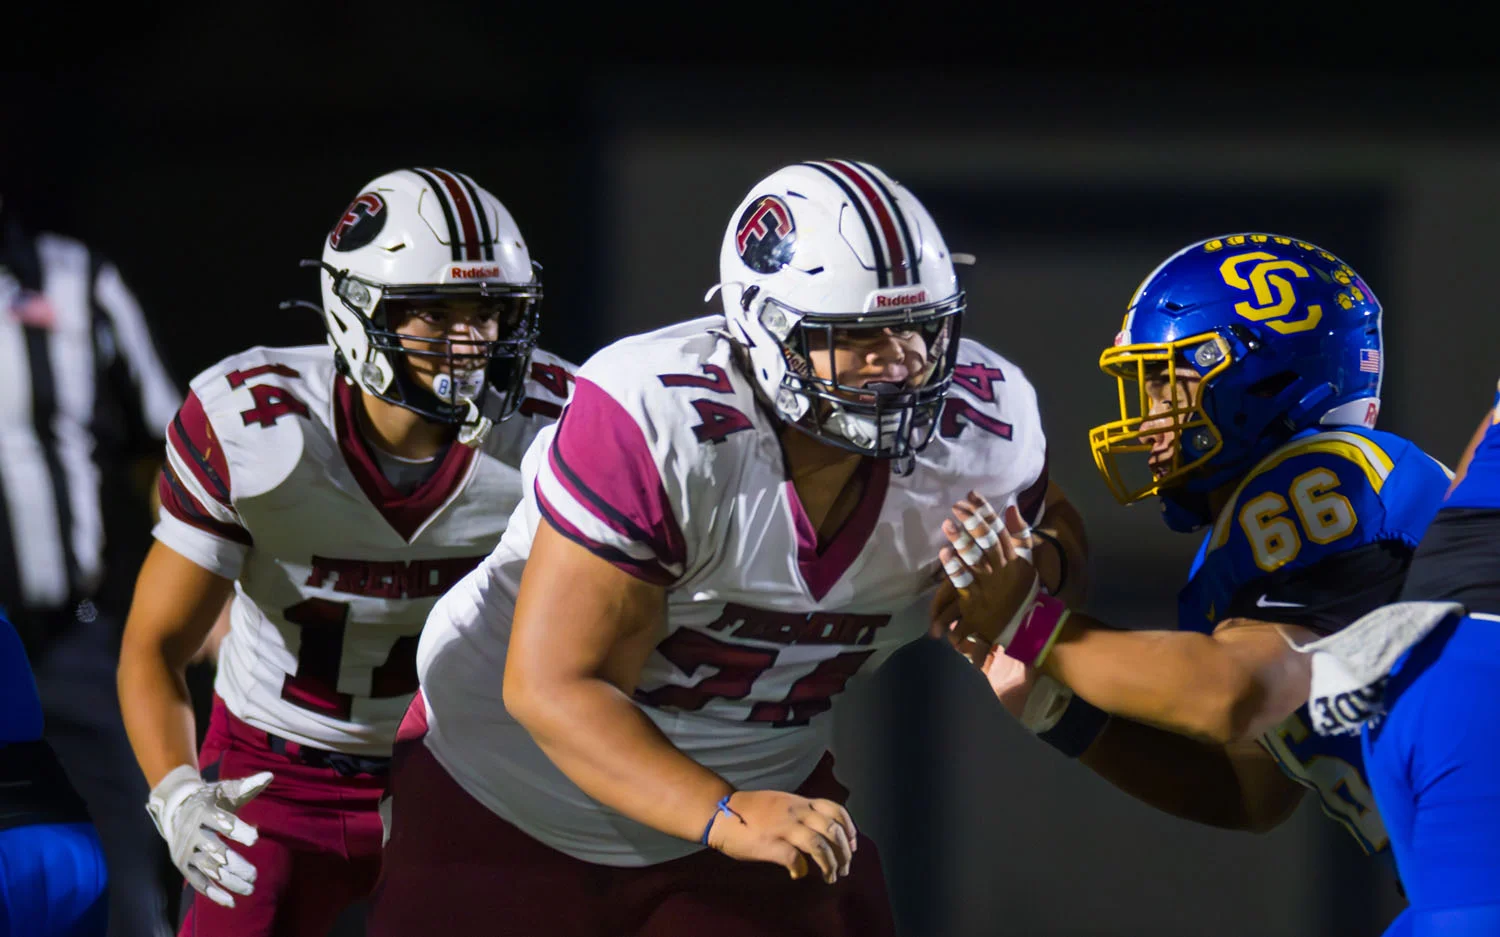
(473,273)
(901,299)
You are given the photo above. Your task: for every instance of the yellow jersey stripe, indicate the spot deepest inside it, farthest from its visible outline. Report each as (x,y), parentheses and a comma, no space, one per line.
(1372,459)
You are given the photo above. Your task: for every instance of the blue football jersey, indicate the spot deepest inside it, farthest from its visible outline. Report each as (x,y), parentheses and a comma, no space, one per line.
(1481,485)
(20,710)
(1297,518)
(1459,559)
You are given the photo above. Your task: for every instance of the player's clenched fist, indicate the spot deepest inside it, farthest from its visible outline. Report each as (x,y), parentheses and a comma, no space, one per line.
(787,829)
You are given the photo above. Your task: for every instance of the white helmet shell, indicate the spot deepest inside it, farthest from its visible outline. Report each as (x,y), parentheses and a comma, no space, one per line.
(414,230)
(829,241)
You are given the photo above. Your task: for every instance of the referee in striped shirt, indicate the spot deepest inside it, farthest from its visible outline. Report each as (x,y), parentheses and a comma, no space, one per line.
(84,399)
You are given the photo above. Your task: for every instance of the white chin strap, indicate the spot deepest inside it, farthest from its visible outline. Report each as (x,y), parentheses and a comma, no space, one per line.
(465,387)
(862,430)
(475,427)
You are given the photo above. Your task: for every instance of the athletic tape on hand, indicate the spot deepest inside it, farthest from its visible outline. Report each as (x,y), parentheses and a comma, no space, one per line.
(986,512)
(983,532)
(958,574)
(967,548)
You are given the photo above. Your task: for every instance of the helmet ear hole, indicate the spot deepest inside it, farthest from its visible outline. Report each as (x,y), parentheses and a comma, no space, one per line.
(1271,386)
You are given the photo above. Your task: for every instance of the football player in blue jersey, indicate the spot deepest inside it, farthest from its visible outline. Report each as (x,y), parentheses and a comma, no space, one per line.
(1249,371)
(52,877)
(1421,677)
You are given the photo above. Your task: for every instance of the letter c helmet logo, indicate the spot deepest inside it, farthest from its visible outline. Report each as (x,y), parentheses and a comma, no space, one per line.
(1263,280)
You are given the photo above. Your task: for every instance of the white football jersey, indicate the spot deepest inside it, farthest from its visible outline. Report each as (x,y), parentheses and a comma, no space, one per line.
(666,465)
(269,482)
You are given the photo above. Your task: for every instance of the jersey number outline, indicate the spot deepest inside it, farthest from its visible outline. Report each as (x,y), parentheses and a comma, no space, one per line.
(958,413)
(1343,794)
(271,402)
(554,378)
(1324,516)
(315,685)
(736,667)
(718,421)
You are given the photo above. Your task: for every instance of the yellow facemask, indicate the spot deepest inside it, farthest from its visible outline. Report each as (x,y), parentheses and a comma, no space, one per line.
(1141,416)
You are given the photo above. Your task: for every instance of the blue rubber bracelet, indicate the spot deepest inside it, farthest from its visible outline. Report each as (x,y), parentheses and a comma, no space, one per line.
(723,808)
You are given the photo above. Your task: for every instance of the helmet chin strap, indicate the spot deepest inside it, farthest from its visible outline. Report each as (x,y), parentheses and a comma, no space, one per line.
(476,426)
(1186,511)
(864,430)
(466,386)
(1313,402)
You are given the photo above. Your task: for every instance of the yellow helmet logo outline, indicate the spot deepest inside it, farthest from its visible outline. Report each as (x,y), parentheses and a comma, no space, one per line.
(1262,280)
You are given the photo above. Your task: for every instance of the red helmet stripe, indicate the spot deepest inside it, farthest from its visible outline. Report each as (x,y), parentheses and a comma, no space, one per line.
(900,274)
(464,209)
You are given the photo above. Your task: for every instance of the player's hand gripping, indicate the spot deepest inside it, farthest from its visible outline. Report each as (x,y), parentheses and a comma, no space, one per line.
(989,578)
(1011,680)
(787,829)
(992,594)
(190,813)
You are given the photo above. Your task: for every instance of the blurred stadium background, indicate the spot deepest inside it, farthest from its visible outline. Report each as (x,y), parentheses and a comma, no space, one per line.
(208,180)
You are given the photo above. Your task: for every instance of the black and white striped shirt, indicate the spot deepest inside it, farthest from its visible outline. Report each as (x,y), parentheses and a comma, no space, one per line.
(82,394)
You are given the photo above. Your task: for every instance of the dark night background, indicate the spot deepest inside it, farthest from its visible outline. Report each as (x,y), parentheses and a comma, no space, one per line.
(207,159)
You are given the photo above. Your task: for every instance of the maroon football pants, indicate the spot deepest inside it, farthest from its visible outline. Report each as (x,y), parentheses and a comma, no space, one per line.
(454,867)
(319,845)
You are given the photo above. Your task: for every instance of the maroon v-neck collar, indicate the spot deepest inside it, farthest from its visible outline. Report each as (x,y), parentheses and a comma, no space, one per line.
(822,565)
(406,513)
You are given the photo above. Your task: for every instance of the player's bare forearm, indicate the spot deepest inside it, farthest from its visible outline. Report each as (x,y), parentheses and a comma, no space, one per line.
(581,634)
(175,605)
(1063,521)
(1237,786)
(1228,687)
(615,754)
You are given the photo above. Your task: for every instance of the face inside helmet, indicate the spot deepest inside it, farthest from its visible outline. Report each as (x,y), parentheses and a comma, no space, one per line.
(1164,434)
(873,382)
(455,348)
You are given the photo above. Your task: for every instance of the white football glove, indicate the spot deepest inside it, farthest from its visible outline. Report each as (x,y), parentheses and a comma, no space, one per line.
(190,813)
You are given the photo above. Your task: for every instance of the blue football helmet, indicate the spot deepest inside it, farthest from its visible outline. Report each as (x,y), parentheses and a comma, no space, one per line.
(1284,336)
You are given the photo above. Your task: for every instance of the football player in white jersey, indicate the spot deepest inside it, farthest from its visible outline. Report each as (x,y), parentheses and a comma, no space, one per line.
(335,493)
(735,518)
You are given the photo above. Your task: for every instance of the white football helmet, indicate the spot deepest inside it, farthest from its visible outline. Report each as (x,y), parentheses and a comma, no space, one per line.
(836,245)
(416,237)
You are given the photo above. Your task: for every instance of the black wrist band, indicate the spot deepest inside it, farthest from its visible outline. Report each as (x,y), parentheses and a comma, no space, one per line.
(1062,559)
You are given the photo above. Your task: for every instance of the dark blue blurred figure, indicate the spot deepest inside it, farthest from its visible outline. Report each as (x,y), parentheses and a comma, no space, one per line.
(52,875)
(1434,758)
(84,402)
